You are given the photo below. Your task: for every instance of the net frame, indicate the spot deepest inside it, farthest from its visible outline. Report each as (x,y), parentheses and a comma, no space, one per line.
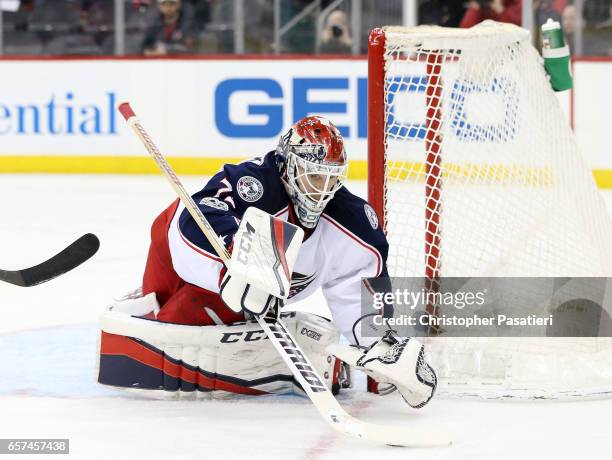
(496,368)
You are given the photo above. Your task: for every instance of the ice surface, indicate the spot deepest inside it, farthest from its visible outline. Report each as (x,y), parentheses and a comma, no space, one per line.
(48,343)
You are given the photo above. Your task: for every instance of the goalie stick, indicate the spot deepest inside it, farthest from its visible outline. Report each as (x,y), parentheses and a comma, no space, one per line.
(64,261)
(292,355)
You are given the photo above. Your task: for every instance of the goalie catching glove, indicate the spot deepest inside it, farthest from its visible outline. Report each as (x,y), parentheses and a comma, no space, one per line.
(239,295)
(258,276)
(397,364)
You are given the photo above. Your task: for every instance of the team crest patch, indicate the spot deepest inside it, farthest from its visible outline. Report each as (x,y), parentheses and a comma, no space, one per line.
(371,215)
(249,189)
(214,203)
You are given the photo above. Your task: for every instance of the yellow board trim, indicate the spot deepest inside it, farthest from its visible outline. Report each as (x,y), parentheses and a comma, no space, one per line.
(204,166)
(81,164)
(401,171)
(603,177)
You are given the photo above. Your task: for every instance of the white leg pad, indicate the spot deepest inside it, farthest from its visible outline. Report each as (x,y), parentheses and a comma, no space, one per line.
(147,354)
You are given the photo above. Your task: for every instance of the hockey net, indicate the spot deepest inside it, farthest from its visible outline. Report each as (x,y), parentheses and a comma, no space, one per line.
(475,172)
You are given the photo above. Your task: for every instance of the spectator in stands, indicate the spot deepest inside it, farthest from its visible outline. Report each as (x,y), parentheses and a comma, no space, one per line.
(568,22)
(171,31)
(596,28)
(498,10)
(301,37)
(596,11)
(200,10)
(336,37)
(202,13)
(545,9)
(446,13)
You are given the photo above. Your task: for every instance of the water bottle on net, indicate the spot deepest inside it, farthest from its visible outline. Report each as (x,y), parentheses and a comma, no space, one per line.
(556,56)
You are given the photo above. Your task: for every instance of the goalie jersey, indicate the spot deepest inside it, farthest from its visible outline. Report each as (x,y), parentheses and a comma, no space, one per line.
(183,270)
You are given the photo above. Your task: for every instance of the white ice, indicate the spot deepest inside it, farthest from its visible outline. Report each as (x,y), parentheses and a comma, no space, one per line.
(48,338)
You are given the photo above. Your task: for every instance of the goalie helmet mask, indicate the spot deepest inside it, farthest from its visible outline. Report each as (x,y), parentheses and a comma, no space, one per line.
(313,166)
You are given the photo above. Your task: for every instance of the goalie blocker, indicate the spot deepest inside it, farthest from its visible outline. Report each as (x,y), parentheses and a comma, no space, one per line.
(138,353)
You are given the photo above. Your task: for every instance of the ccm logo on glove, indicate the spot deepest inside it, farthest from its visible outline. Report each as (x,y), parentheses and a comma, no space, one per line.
(245,244)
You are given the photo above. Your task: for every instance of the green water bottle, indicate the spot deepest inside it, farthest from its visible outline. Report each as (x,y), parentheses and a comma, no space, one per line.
(556,56)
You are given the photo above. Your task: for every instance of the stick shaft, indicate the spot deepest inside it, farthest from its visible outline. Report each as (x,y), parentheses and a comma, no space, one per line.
(178,187)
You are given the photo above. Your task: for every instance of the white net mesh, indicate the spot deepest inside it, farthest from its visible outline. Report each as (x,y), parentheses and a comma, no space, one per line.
(484,178)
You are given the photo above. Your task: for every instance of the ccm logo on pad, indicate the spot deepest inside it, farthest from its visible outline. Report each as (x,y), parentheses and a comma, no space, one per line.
(250,336)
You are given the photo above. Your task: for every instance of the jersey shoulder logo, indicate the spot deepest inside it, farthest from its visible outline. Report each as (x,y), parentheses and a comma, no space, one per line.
(249,189)
(214,203)
(371,215)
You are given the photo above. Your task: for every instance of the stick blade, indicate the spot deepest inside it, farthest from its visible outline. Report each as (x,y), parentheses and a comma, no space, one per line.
(71,257)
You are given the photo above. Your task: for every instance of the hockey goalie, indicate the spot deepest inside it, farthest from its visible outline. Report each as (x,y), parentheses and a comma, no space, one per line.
(190,328)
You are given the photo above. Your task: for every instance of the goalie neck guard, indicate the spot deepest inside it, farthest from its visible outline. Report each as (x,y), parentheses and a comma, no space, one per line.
(313,166)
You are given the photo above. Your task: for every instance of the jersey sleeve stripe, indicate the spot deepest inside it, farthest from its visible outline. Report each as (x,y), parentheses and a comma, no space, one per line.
(368,286)
(282,211)
(196,248)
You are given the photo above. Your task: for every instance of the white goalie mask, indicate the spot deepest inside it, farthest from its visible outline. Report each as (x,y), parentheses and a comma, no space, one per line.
(313,166)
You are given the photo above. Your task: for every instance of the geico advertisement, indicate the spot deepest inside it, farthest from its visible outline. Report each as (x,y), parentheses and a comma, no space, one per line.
(235,108)
(191,107)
